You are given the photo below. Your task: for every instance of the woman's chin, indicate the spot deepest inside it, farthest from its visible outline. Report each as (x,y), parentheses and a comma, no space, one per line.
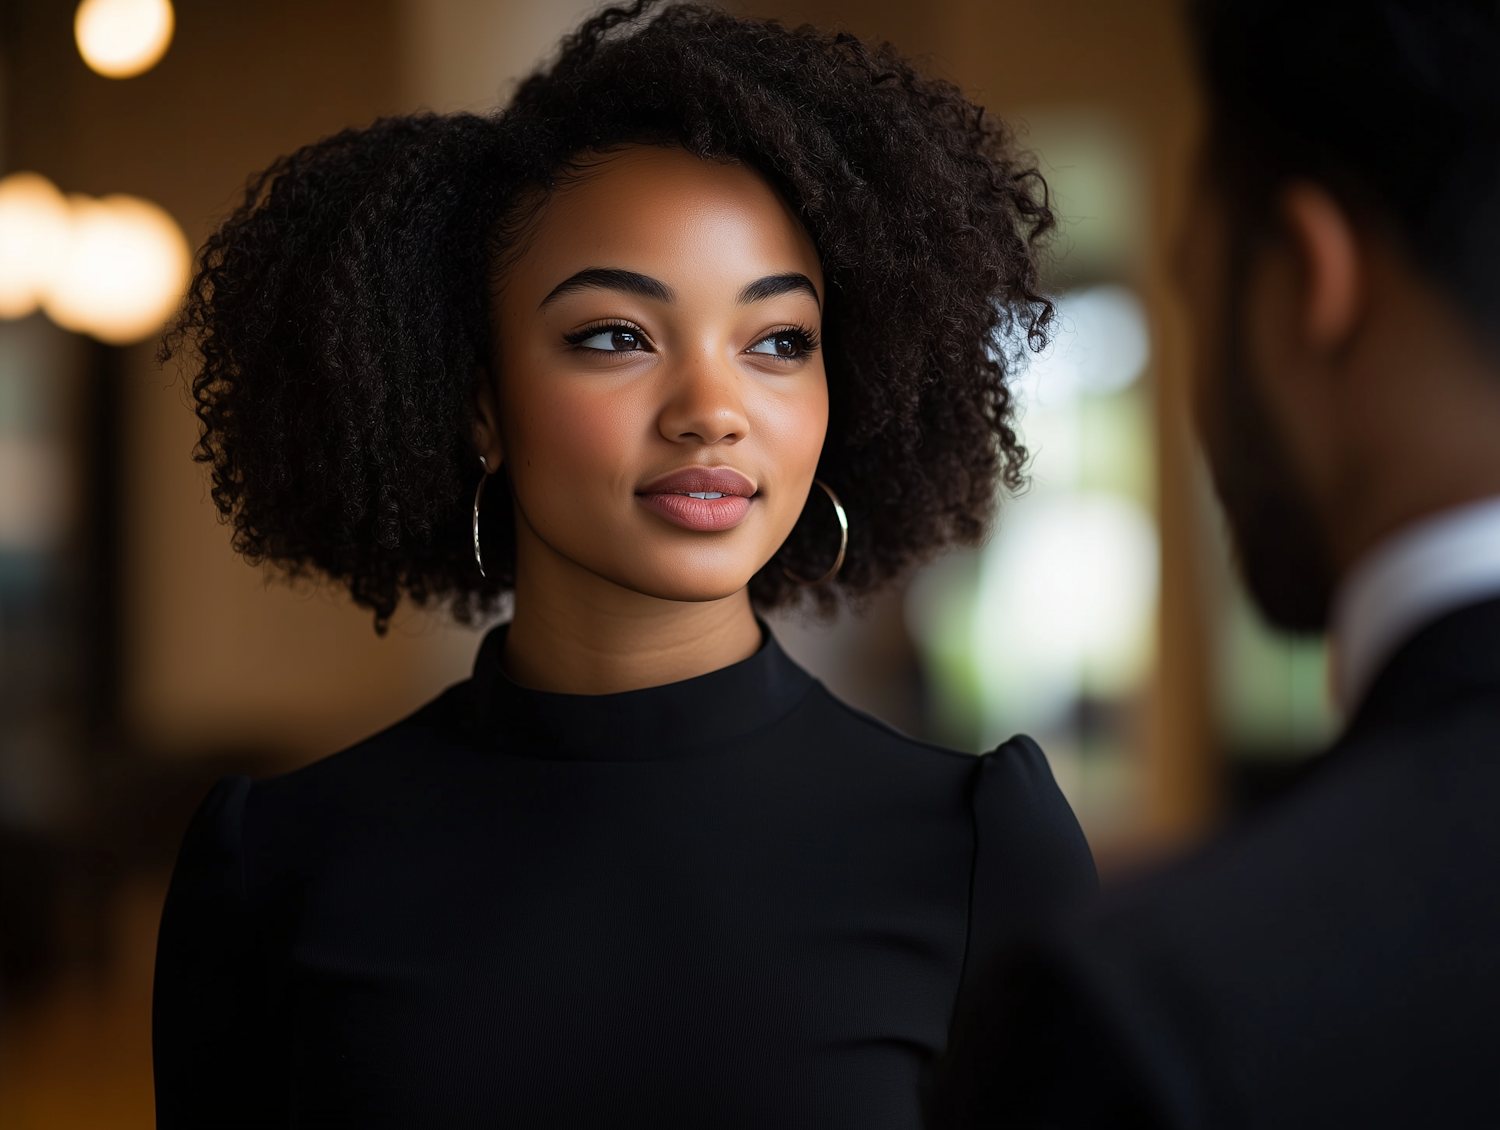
(691,581)
(695,591)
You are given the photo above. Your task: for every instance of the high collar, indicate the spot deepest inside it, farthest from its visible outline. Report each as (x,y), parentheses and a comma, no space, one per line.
(654,723)
(1455,656)
(1445,561)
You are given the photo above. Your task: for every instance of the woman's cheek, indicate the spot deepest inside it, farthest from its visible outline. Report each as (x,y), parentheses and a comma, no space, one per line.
(792,427)
(795,426)
(582,436)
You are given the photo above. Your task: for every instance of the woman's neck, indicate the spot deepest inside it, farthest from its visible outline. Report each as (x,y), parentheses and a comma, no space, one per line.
(575,632)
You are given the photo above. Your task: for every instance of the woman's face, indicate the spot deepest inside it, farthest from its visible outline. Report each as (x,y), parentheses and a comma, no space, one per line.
(660,401)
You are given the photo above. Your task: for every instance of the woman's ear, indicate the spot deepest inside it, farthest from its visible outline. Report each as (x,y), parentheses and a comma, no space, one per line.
(1328,246)
(487,443)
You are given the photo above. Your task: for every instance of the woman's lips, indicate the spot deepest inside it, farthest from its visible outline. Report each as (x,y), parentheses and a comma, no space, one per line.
(700,498)
(704,514)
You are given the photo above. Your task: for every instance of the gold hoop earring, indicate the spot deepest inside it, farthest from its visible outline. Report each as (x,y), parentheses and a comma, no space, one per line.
(838,562)
(478,494)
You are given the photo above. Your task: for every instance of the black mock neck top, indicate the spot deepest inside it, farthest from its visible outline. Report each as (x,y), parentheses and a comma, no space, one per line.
(726,902)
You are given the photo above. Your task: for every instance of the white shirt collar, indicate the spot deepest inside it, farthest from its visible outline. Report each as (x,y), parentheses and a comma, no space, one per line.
(1421,572)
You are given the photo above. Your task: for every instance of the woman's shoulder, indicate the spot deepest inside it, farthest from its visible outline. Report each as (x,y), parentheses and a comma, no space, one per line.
(1030,855)
(866,732)
(444,722)
(1031,858)
(1015,764)
(1011,785)
(390,769)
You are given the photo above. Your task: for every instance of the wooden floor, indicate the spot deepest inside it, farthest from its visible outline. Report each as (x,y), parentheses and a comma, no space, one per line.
(78,1055)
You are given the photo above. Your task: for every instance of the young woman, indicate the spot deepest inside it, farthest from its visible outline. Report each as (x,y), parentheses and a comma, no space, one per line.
(636,350)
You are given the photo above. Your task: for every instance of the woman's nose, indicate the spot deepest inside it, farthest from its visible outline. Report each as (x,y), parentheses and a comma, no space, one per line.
(704,404)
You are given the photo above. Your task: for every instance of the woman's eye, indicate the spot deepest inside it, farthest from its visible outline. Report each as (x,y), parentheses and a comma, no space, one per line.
(614,340)
(781,344)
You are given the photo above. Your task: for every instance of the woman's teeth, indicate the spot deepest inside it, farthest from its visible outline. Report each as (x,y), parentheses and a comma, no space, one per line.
(704,494)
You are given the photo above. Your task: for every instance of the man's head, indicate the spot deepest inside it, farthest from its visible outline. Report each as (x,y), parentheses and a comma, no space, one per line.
(1341,266)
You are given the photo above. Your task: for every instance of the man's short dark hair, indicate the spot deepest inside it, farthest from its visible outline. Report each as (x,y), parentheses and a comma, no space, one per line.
(1394,105)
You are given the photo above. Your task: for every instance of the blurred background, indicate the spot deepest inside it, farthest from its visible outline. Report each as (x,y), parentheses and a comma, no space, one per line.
(140,660)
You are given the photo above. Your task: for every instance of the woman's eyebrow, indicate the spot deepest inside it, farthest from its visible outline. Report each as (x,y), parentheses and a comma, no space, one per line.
(612,278)
(773,285)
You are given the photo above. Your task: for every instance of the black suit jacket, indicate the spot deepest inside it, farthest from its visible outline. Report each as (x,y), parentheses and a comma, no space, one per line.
(1335,962)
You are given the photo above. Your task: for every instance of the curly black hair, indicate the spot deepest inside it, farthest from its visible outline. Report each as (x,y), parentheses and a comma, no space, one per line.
(340,317)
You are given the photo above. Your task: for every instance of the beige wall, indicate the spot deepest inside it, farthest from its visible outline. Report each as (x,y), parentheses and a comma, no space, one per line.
(467,54)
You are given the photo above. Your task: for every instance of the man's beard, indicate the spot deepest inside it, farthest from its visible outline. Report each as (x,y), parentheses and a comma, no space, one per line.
(1278,545)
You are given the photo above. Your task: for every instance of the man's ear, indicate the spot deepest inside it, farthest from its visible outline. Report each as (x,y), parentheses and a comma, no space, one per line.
(487,443)
(1326,242)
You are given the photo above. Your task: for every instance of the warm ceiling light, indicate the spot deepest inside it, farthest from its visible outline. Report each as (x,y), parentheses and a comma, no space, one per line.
(121,38)
(35,227)
(124,272)
(115,268)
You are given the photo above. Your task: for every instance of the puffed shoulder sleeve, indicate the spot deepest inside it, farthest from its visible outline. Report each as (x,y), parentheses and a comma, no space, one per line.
(209,1008)
(1030,857)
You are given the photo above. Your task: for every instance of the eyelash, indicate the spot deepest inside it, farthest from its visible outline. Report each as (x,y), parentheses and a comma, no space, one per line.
(579,336)
(807,338)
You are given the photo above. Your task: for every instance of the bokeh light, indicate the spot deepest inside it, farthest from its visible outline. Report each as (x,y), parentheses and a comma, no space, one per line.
(114,268)
(1101,346)
(35,227)
(123,38)
(124,272)
(1049,629)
